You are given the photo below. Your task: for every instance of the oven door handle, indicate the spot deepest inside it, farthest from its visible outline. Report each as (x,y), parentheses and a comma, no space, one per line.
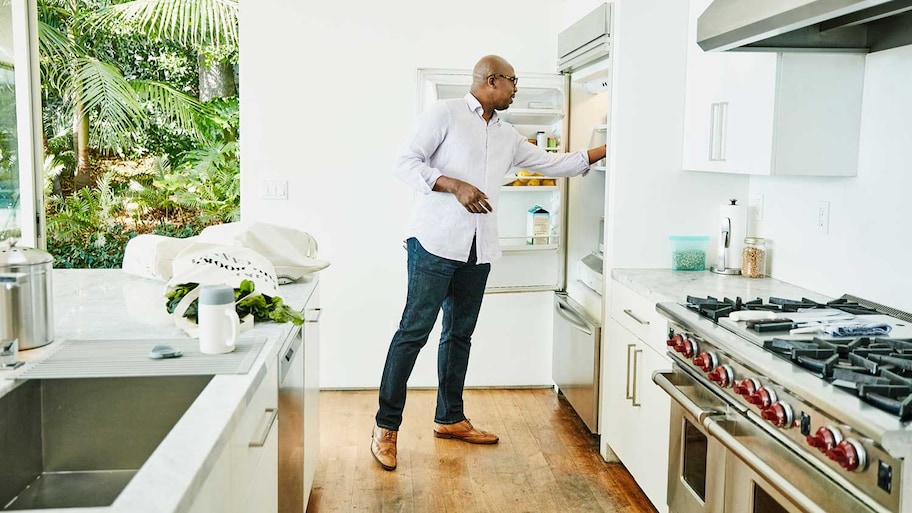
(778,482)
(662,379)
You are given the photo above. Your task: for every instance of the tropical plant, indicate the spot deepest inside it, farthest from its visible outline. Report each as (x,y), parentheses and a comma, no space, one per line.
(209,26)
(105,106)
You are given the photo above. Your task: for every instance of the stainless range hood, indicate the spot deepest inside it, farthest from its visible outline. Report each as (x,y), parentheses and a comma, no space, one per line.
(805,25)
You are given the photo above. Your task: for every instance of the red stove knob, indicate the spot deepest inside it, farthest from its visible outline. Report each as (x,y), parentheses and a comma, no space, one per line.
(779,414)
(826,438)
(763,398)
(677,339)
(706,361)
(746,387)
(722,375)
(689,348)
(849,454)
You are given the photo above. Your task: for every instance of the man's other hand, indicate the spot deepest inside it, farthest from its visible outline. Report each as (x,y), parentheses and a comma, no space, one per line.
(466,194)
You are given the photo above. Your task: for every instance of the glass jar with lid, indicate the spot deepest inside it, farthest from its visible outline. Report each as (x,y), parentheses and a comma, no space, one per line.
(753,257)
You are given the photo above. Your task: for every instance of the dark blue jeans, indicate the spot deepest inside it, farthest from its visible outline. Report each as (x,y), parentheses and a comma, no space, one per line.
(434,283)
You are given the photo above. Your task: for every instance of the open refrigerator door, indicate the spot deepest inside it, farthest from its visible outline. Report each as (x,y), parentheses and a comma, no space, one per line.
(589,100)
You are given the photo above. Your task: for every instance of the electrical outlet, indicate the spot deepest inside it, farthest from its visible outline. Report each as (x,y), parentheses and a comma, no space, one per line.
(756,203)
(823,217)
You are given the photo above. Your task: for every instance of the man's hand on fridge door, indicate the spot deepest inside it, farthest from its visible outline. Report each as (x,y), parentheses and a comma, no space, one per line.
(467,194)
(598,153)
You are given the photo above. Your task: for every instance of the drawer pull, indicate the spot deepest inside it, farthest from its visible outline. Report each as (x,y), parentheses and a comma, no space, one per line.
(637,319)
(628,394)
(633,395)
(273,413)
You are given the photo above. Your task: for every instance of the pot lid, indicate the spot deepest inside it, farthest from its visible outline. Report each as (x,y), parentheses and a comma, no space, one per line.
(10,255)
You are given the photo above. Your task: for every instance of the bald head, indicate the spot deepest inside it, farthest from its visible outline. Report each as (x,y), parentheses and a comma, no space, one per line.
(493,83)
(490,65)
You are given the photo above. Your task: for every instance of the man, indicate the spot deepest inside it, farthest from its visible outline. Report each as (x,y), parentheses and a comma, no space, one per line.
(456,157)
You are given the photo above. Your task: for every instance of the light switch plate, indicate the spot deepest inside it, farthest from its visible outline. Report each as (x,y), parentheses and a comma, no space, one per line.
(274,189)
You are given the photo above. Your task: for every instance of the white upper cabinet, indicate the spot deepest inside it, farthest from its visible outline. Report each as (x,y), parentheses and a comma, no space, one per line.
(766,113)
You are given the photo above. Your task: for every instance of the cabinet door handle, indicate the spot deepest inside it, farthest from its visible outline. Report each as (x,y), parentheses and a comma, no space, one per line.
(723,131)
(713,130)
(315,318)
(637,319)
(636,361)
(718,128)
(261,441)
(628,394)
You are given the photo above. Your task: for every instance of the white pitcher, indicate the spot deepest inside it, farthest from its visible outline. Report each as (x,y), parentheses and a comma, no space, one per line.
(218,320)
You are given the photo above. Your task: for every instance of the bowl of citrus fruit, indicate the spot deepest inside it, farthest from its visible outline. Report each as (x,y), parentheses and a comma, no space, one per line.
(526,178)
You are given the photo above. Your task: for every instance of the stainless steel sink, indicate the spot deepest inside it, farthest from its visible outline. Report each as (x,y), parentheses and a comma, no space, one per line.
(68,443)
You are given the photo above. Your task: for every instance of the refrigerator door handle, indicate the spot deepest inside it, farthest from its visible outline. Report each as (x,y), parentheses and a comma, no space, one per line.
(565,311)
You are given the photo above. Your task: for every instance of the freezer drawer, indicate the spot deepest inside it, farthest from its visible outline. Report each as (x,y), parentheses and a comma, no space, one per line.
(575,359)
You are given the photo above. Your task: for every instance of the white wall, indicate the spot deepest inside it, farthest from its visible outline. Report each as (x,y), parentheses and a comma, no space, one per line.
(867,250)
(650,197)
(327,95)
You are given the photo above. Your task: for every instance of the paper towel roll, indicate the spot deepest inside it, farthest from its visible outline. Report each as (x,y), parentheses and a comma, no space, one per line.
(738,216)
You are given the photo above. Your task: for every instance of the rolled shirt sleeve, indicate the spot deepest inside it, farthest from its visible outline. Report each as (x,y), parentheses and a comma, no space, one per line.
(412,162)
(530,156)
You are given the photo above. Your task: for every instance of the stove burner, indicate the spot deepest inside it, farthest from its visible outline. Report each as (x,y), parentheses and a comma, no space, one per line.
(879,370)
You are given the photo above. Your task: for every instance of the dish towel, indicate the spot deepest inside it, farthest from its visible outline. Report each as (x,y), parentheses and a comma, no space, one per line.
(858,330)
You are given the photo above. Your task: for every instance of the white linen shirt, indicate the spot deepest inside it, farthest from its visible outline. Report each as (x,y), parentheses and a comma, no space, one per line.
(452,139)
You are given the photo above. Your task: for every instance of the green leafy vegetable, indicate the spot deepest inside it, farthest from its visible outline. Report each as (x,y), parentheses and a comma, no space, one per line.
(263,308)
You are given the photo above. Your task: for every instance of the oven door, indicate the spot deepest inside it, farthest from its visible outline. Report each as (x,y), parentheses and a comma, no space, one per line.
(696,462)
(764,476)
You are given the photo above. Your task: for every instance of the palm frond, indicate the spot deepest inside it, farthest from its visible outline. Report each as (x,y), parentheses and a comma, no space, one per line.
(189,22)
(178,107)
(101,88)
(52,43)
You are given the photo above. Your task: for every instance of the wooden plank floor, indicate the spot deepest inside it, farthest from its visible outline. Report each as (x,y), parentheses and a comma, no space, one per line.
(546,460)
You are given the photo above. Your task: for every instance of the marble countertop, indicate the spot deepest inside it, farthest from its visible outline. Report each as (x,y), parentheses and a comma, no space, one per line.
(109,304)
(660,285)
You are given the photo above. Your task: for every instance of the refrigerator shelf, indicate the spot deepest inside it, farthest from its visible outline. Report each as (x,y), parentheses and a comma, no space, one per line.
(540,117)
(598,168)
(530,188)
(529,247)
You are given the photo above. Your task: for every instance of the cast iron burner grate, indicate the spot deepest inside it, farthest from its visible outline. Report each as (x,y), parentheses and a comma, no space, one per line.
(714,308)
(878,370)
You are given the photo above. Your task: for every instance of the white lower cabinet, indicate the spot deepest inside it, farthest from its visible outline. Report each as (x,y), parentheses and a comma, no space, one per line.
(245,476)
(635,411)
(261,494)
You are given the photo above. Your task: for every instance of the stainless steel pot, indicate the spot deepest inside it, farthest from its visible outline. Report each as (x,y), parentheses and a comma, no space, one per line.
(26,296)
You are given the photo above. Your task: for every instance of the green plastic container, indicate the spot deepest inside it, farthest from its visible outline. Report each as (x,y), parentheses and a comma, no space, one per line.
(688,252)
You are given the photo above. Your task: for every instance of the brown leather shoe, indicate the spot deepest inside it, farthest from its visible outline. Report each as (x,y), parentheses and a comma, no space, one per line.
(464,431)
(383,447)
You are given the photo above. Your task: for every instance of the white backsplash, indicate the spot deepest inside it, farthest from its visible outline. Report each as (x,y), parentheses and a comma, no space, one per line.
(866,251)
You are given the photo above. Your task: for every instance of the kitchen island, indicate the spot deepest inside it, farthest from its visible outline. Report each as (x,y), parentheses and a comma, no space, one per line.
(110,304)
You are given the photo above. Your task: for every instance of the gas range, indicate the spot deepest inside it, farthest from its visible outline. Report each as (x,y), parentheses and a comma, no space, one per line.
(841,402)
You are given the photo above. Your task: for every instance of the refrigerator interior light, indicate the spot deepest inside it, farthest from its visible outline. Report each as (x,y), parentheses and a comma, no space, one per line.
(598,85)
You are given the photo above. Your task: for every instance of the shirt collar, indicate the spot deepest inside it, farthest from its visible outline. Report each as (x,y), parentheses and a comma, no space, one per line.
(473,104)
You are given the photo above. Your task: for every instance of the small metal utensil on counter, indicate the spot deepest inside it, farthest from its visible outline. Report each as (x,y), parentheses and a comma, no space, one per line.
(9,349)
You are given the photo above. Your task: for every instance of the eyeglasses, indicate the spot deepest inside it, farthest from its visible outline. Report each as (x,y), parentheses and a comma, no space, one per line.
(515,80)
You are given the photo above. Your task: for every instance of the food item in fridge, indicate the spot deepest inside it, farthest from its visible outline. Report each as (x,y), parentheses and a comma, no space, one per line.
(538,224)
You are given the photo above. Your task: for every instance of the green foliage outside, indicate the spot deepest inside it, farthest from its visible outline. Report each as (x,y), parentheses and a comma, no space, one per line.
(130,147)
